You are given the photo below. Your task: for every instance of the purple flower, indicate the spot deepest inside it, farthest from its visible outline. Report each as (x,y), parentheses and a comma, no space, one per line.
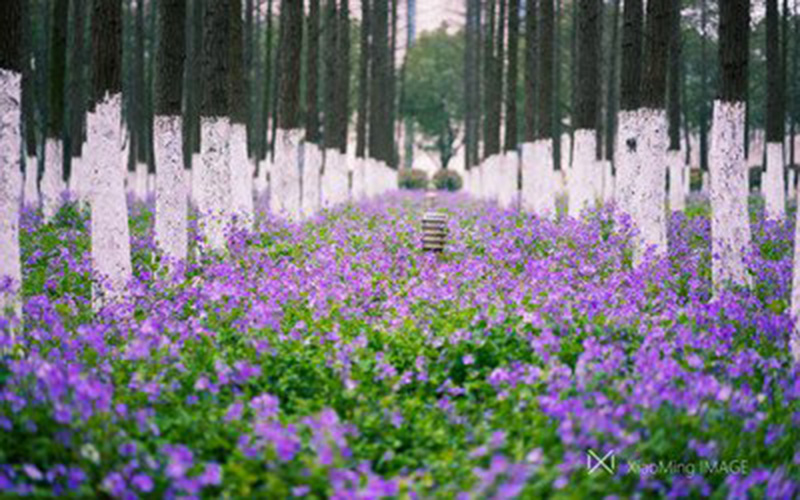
(142,482)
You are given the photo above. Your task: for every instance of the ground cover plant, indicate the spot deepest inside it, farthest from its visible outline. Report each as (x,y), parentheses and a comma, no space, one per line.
(332,359)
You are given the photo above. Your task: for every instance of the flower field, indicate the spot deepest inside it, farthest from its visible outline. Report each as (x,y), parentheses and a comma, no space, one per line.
(333,359)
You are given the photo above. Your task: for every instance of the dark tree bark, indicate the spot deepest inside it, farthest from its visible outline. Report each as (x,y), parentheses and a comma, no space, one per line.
(192,81)
(106,49)
(734,35)
(380,125)
(775,108)
(631,69)
(76,88)
(587,107)
(531,62)
(343,76)
(795,113)
(546,69)
(499,70)
(11,41)
(138,104)
(269,85)
(674,72)
(170,54)
(613,83)
(331,69)
(29,110)
(363,81)
(312,73)
(491,141)
(511,81)
(237,78)
(472,83)
(557,87)
(654,81)
(704,108)
(291,33)
(57,69)
(215,57)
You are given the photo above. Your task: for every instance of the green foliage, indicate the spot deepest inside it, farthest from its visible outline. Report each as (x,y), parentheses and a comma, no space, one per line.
(413,179)
(447,180)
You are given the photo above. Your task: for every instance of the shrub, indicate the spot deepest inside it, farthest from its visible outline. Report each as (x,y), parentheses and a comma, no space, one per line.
(413,179)
(447,180)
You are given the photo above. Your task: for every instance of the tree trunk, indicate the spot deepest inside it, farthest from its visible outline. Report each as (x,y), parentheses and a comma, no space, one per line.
(490,139)
(363,81)
(240,165)
(674,160)
(332,70)
(531,70)
(612,104)
(730,227)
(312,73)
(380,126)
(773,186)
(171,193)
(214,175)
(471,82)
(11,65)
(585,176)
(343,76)
(53,179)
(111,255)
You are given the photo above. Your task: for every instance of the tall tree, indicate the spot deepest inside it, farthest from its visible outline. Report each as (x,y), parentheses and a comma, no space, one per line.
(585,177)
(730,227)
(52,182)
(676,171)
(626,160)
(241,168)
(612,104)
(289,64)
(11,65)
(472,83)
(76,87)
(773,177)
(704,110)
(332,70)
(215,174)
(546,69)
(511,81)
(192,81)
(171,197)
(111,255)
(363,80)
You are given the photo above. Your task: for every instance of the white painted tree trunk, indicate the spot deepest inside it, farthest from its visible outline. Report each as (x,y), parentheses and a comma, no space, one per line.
(111,251)
(214,198)
(197,165)
(260,180)
(171,189)
(677,190)
(705,180)
(140,182)
(76,178)
(10,180)
(730,228)
(608,181)
(538,189)
(30,195)
(311,179)
(335,188)
(241,178)
(626,158)
(791,189)
(52,180)
(359,180)
(583,177)
(285,181)
(773,186)
(508,166)
(650,191)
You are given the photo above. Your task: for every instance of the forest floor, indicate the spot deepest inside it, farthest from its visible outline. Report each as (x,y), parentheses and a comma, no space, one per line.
(333,358)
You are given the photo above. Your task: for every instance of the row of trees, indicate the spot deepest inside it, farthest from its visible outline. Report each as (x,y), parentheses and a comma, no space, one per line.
(175,86)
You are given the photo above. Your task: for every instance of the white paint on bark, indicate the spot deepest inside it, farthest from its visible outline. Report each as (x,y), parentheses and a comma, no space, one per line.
(312,165)
(626,158)
(677,189)
(773,185)
(214,198)
(10,180)
(508,170)
(241,178)
(583,178)
(335,187)
(52,179)
(730,228)
(538,188)
(111,251)
(285,180)
(650,190)
(197,165)
(359,179)
(30,196)
(608,181)
(171,189)
(140,182)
